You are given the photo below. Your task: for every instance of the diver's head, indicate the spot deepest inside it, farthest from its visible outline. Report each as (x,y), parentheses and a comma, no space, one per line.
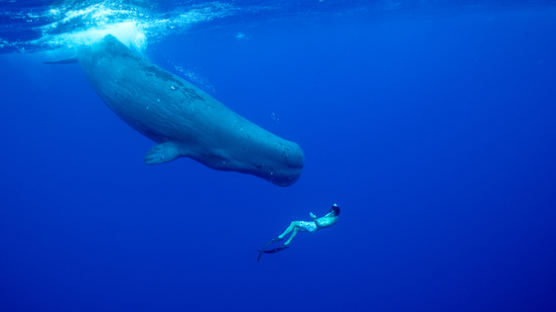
(335,209)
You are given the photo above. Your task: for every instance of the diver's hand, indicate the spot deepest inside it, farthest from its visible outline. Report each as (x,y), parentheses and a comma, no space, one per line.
(313,216)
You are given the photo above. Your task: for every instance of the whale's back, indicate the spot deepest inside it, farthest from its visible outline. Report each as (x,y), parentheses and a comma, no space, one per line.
(155,102)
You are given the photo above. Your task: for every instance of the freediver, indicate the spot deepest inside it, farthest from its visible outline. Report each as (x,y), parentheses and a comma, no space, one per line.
(329,219)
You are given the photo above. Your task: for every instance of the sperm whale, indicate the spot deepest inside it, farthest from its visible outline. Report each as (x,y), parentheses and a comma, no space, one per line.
(182,119)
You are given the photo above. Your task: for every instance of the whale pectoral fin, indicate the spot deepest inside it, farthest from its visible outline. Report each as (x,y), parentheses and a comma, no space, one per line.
(162,153)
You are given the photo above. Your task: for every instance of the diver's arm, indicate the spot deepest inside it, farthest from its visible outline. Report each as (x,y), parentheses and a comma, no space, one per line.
(313,216)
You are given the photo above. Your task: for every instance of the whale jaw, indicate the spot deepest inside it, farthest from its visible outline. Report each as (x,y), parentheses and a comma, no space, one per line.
(282,171)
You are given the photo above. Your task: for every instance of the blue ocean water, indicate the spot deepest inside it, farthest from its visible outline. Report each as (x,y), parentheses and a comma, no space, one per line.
(431,124)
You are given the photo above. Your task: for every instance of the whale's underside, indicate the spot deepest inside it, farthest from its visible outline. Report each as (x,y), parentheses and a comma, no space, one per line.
(184,120)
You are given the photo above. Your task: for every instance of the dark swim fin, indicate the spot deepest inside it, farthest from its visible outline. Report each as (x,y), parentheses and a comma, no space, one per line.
(261,251)
(274,240)
(270,251)
(275,250)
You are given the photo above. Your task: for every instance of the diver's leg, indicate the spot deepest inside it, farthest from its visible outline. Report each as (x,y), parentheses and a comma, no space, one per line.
(280,237)
(290,228)
(294,233)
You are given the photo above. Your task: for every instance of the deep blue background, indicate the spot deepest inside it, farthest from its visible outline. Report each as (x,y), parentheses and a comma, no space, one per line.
(433,129)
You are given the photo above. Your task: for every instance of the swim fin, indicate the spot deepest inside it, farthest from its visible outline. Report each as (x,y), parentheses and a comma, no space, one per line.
(275,250)
(270,251)
(261,251)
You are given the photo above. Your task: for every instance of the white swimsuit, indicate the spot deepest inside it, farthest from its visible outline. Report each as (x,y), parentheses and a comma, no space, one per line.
(309,226)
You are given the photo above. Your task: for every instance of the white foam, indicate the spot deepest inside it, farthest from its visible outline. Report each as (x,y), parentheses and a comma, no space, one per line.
(85,23)
(129,33)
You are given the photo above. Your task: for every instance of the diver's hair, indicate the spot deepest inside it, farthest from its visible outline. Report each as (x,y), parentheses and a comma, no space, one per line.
(335,209)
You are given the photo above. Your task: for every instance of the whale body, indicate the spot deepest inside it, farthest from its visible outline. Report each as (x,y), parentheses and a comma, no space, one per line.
(182,119)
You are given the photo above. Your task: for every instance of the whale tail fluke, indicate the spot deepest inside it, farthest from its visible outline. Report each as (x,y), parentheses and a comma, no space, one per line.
(162,153)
